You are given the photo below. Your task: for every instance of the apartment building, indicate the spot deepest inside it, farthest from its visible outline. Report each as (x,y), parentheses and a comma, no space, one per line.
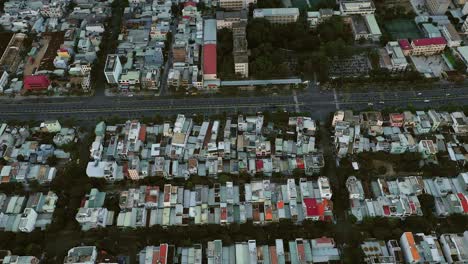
(278,15)
(437,7)
(112,69)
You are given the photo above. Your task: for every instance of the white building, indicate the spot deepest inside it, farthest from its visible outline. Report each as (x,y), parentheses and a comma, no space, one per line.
(81,255)
(51,126)
(27,220)
(359,7)
(455,247)
(421,248)
(112,69)
(397,59)
(277,15)
(451,35)
(3,81)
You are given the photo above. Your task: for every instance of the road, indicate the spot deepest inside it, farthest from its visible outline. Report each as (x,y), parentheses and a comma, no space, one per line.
(318,104)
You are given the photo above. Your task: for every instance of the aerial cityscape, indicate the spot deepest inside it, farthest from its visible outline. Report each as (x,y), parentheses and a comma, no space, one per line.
(233,131)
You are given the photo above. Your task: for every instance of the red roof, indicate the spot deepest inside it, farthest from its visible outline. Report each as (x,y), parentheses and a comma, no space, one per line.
(36,82)
(223,213)
(142,134)
(404,44)
(162,258)
(259,165)
(190,3)
(209,59)
(386,210)
(429,41)
(313,208)
(463,201)
(300,163)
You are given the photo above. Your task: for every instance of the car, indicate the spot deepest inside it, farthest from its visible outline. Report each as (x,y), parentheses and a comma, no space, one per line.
(130,95)
(370,104)
(381,102)
(427,101)
(419,93)
(447,94)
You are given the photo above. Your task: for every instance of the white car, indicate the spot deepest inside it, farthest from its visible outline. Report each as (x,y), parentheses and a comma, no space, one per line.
(427,101)
(370,104)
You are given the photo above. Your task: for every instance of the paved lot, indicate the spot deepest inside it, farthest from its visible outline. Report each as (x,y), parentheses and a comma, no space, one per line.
(433,65)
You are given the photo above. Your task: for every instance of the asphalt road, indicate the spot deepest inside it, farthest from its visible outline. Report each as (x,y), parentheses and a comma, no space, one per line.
(318,104)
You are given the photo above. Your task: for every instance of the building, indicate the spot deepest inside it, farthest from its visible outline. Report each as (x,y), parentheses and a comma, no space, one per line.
(50,126)
(209,62)
(359,7)
(224,19)
(278,15)
(81,255)
(376,251)
(316,17)
(235,4)
(355,189)
(179,51)
(437,7)
(112,69)
(431,31)
(52,11)
(393,58)
(240,51)
(11,57)
(408,246)
(130,81)
(209,31)
(451,35)
(156,254)
(428,46)
(14,259)
(465,25)
(28,220)
(455,247)
(365,27)
(3,80)
(33,83)
(421,248)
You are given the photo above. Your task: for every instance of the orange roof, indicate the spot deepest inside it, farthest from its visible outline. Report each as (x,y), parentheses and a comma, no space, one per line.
(280,205)
(412,246)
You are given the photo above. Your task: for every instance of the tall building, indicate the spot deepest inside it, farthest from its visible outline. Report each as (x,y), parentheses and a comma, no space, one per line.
(278,15)
(437,7)
(112,69)
(240,51)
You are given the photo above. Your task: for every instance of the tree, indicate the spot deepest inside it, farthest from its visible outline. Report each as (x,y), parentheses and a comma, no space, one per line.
(52,160)
(427,203)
